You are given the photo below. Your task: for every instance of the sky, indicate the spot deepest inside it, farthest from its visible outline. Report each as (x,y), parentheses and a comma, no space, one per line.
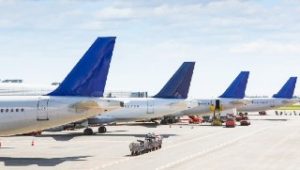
(41,40)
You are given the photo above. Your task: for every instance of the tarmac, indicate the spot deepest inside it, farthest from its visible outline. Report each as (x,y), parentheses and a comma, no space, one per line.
(270,142)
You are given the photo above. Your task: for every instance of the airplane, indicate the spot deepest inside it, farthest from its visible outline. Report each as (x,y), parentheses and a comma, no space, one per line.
(23,89)
(283,97)
(78,97)
(228,101)
(170,99)
(183,76)
(231,98)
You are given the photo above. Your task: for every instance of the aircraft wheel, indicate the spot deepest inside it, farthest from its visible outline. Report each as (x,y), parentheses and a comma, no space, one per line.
(163,122)
(102,129)
(88,131)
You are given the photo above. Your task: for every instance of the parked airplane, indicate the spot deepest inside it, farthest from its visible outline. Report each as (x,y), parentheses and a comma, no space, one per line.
(284,97)
(170,99)
(231,98)
(22,89)
(77,97)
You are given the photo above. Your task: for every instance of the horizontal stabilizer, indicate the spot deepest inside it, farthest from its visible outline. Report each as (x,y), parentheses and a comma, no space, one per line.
(178,86)
(287,91)
(88,77)
(238,87)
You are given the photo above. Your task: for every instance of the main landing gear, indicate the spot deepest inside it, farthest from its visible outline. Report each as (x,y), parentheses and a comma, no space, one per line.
(102,129)
(89,131)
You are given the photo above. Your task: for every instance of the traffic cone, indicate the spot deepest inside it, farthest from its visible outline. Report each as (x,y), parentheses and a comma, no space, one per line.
(32,143)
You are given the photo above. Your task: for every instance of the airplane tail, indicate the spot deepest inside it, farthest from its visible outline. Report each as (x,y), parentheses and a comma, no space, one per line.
(88,77)
(178,86)
(238,87)
(287,91)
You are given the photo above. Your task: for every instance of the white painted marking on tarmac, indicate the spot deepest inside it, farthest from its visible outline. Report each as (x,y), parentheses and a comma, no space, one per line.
(206,151)
(164,148)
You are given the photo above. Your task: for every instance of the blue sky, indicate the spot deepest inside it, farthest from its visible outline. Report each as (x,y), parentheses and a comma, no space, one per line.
(42,40)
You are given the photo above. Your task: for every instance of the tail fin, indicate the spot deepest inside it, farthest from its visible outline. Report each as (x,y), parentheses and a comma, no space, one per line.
(287,91)
(88,77)
(178,86)
(238,87)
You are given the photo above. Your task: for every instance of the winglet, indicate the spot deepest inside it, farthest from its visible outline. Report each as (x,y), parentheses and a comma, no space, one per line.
(178,86)
(238,87)
(287,91)
(88,77)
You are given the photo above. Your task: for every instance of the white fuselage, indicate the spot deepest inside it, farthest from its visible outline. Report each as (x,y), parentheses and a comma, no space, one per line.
(142,109)
(24,114)
(207,106)
(264,104)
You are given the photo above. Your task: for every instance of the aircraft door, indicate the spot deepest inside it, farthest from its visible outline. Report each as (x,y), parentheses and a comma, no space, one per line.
(218,105)
(215,105)
(150,106)
(42,110)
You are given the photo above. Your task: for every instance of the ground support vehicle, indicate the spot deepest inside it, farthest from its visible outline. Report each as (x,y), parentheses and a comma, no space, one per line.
(151,142)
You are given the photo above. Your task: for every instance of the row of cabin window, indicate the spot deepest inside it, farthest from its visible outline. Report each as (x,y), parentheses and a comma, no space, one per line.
(260,102)
(12,110)
(132,106)
(199,104)
(286,114)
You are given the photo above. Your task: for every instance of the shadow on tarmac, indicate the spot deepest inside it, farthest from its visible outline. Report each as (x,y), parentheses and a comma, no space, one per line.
(10,161)
(271,119)
(134,135)
(70,136)
(148,125)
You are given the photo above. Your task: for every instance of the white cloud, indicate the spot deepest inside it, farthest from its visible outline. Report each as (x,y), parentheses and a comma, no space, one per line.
(219,35)
(267,48)
(113,13)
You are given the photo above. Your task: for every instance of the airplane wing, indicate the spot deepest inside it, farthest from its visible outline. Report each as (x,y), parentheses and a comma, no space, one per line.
(96,107)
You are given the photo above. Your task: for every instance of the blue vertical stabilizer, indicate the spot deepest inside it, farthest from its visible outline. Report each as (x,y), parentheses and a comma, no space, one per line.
(238,87)
(178,86)
(287,91)
(88,77)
